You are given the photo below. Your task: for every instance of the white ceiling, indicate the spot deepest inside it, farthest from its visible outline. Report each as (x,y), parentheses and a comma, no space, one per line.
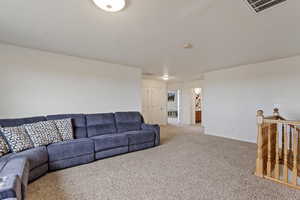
(150,34)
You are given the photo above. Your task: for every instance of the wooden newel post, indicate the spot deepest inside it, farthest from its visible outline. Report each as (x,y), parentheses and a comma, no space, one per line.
(259,160)
(276,112)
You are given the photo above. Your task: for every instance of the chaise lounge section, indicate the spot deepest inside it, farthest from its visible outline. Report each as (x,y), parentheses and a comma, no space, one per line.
(96,136)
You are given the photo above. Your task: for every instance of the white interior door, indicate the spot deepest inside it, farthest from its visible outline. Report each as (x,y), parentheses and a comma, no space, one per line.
(154,105)
(158,105)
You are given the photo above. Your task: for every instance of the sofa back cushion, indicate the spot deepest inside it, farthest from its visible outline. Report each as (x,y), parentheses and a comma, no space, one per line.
(100,124)
(128,121)
(43,133)
(20,121)
(65,128)
(17,138)
(78,122)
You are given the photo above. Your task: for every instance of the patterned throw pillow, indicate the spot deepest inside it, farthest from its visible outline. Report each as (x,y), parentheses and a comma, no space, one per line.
(17,138)
(4,149)
(43,133)
(65,129)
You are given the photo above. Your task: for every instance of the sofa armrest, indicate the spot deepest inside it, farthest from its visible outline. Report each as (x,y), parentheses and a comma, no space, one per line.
(156,129)
(11,187)
(17,166)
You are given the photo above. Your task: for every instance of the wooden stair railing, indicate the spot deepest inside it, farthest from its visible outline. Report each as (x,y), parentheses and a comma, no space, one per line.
(278,152)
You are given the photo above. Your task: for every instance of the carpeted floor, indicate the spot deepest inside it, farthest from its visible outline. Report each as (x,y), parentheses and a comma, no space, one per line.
(187,166)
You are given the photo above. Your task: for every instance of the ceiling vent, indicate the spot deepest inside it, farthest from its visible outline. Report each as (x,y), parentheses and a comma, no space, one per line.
(148,74)
(260,5)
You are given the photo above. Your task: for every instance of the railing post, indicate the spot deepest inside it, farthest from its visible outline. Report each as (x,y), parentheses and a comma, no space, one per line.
(276,112)
(270,161)
(277,163)
(259,160)
(295,156)
(286,154)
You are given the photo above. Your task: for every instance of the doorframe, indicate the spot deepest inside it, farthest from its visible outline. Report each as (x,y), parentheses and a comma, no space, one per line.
(178,97)
(179,105)
(193,104)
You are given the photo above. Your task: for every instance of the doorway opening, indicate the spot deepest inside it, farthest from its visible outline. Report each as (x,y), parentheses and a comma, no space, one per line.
(173,106)
(197,105)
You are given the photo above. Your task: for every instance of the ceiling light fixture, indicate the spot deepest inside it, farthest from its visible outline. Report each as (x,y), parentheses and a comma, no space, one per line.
(197,91)
(187,46)
(165,77)
(110,5)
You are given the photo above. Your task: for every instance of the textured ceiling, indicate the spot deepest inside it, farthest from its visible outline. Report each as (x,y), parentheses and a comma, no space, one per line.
(150,34)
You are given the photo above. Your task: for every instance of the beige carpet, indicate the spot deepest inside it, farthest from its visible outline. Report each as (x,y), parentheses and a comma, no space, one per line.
(187,166)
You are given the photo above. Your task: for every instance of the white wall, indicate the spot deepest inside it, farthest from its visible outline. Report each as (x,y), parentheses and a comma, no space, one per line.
(153,83)
(232,97)
(38,83)
(186,99)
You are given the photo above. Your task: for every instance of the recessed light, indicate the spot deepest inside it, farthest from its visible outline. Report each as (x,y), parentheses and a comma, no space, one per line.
(110,5)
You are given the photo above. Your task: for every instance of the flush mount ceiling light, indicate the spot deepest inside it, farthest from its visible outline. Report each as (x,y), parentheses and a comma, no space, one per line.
(110,5)
(187,46)
(197,90)
(165,77)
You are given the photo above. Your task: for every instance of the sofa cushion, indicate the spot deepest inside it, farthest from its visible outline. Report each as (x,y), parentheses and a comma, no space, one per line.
(100,124)
(65,128)
(4,149)
(17,138)
(128,121)
(20,121)
(36,156)
(104,142)
(43,133)
(139,137)
(78,122)
(70,149)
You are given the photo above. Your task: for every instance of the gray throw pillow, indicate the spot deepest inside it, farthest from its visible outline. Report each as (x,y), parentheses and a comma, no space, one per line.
(43,133)
(17,138)
(65,129)
(4,149)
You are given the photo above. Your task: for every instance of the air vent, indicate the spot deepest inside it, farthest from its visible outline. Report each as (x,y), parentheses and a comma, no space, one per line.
(260,5)
(148,74)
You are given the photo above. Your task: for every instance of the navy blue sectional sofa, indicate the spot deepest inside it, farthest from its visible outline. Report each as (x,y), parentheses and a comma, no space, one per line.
(97,136)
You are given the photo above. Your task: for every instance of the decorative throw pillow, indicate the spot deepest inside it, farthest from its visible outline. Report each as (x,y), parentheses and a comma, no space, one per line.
(4,149)
(17,138)
(43,133)
(65,129)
